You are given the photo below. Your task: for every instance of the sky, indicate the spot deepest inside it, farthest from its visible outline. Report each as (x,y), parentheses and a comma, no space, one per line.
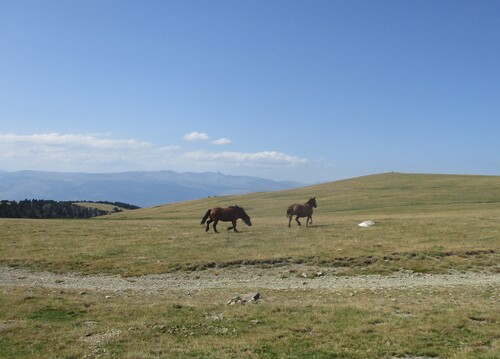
(309,91)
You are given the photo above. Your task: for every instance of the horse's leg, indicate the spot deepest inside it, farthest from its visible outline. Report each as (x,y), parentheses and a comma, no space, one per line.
(289,220)
(215,226)
(297,219)
(307,221)
(208,224)
(233,227)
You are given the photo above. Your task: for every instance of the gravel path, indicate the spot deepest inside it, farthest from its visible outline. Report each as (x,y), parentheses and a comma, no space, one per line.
(241,278)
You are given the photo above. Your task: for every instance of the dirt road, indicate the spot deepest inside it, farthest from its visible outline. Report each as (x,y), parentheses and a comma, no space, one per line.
(247,278)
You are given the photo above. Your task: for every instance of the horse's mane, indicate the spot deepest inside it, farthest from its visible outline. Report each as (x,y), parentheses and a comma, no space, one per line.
(235,207)
(311,201)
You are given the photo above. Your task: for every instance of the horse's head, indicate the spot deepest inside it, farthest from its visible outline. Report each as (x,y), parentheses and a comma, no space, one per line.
(244,216)
(312,202)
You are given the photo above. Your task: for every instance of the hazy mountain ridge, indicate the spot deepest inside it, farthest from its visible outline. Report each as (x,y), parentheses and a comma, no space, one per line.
(139,188)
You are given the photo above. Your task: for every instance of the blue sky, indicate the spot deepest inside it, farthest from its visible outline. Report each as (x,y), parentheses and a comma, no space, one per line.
(290,90)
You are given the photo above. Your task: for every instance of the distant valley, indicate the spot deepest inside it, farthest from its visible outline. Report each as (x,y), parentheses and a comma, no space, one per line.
(143,189)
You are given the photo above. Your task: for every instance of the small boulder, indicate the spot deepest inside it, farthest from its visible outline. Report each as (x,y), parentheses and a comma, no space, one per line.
(242,299)
(366,224)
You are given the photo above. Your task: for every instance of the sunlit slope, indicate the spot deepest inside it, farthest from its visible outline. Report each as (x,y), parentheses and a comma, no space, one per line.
(369,195)
(423,223)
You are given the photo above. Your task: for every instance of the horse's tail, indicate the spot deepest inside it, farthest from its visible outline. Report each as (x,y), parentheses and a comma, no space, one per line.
(289,211)
(205,217)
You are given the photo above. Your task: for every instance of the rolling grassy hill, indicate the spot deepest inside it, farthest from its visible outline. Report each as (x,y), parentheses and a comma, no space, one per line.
(368,195)
(424,223)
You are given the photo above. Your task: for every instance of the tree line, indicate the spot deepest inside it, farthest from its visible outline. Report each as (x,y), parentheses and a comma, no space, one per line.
(40,208)
(119,204)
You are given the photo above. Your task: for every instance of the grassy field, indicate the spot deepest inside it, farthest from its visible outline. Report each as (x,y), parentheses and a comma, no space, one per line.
(451,323)
(424,223)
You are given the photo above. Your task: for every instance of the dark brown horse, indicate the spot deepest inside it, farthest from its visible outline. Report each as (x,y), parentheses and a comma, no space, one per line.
(230,214)
(299,210)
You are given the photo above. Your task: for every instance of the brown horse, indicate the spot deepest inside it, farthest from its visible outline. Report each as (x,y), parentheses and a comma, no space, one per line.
(300,210)
(230,214)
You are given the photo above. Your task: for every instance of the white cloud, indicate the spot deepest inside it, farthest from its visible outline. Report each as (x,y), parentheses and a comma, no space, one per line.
(69,152)
(222,141)
(87,153)
(55,139)
(169,148)
(264,158)
(195,136)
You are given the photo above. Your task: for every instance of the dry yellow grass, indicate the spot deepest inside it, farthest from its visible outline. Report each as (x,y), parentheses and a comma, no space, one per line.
(424,223)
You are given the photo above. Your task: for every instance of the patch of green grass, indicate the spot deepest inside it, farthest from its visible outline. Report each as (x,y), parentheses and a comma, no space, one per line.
(453,322)
(54,314)
(7,350)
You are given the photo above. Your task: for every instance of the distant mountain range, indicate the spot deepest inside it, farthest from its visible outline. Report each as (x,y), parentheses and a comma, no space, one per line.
(143,189)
